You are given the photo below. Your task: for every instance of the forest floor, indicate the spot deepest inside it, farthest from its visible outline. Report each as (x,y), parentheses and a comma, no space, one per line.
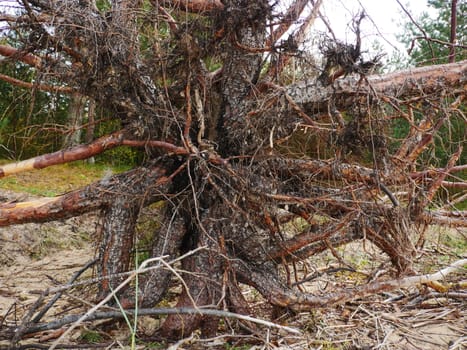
(35,257)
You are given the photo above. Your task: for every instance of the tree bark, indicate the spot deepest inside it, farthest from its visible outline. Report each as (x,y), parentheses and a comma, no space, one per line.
(117,240)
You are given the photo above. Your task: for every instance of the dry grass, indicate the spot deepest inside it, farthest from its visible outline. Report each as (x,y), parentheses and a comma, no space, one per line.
(55,180)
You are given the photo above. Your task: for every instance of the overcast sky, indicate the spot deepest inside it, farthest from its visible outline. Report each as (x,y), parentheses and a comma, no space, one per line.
(383,23)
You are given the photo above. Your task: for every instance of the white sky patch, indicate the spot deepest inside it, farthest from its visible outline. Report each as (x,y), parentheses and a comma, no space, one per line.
(384,21)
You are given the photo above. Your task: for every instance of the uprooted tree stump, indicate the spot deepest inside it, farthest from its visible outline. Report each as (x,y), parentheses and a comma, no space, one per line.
(223,147)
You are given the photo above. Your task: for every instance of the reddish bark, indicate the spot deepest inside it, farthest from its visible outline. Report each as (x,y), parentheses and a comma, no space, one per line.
(87,151)
(19,55)
(311,235)
(214,142)
(42,87)
(197,6)
(452,37)
(288,19)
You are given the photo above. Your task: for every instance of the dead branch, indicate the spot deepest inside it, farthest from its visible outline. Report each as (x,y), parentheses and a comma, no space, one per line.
(42,87)
(268,286)
(28,318)
(151,312)
(19,55)
(430,172)
(309,236)
(84,152)
(446,218)
(430,193)
(297,38)
(196,6)
(453,184)
(425,35)
(287,19)
(221,153)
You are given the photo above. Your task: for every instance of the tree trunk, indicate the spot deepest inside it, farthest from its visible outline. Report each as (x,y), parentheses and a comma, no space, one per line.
(116,241)
(91,126)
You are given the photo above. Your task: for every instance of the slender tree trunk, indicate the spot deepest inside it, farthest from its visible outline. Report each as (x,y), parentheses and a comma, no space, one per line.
(91,125)
(75,121)
(452,39)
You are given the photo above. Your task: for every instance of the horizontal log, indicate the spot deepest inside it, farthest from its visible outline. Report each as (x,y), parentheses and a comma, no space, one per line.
(446,218)
(19,55)
(401,84)
(277,294)
(455,184)
(64,156)
(148,184)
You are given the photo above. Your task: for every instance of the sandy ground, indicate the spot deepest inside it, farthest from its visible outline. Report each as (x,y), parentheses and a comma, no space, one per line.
(34,257)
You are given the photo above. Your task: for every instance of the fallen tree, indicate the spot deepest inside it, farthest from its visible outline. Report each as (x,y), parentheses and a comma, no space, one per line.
(223,147)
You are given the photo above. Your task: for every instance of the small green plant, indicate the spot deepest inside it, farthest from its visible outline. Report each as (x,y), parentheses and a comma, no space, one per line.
(131,326)
(90,336)
(456,242)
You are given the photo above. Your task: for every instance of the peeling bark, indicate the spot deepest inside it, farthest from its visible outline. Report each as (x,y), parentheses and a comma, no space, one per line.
(116,241)
(86,151)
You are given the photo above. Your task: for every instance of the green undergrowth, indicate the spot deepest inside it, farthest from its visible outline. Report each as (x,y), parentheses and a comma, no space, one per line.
(58,179)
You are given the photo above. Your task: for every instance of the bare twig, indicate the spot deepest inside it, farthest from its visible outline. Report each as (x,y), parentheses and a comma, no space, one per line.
(425,35)
(78,319)
(141,269)
(41,314)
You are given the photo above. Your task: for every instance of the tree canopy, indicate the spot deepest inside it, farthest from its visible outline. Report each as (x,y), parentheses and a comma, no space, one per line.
(430,40)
